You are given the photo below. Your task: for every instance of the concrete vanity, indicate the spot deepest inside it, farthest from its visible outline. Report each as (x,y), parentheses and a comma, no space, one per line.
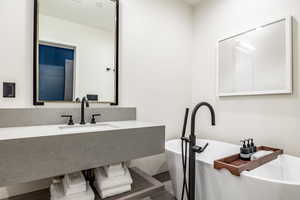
(36,152)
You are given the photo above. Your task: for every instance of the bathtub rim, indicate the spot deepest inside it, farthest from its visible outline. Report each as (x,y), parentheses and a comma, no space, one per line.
(244,173)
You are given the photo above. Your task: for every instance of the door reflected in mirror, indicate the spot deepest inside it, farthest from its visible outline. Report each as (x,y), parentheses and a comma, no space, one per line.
(76,50)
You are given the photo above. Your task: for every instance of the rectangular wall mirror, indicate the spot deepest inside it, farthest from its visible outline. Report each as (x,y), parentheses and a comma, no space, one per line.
(76,51)
(257,61)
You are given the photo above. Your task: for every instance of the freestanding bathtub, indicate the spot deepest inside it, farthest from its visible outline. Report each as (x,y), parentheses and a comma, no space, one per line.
(277,180)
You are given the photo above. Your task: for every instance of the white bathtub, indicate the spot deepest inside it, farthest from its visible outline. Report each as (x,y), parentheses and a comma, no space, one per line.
(277,180)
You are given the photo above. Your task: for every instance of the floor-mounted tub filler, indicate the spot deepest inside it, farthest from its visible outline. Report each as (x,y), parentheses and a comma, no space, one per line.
(276,180)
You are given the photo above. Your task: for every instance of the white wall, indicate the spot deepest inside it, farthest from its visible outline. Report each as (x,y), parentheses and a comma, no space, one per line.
(156,38)
(271,120)
(16,50)
(155,64)
(94,53)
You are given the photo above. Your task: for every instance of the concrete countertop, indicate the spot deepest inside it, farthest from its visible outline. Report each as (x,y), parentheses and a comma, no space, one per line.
(36,152)
(13,133)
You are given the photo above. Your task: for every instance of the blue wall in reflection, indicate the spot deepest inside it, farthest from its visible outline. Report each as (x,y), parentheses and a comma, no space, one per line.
(52,69)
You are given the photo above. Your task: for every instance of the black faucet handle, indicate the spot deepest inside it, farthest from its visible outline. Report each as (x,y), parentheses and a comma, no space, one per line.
(77,100)
(93,120)
(71,122)
(199,149)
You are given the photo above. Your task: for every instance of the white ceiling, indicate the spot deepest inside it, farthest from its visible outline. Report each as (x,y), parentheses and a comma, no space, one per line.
(192,1)
(95,13)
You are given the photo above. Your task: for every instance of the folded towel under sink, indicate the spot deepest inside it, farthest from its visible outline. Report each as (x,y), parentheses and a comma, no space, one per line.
(73,190)
(57,193)
(114,170)
(74,183)
(105,182)
(75,179)
(114,191)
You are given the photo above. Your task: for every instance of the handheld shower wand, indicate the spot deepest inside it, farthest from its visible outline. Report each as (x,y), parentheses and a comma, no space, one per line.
(184,147)
(185,122)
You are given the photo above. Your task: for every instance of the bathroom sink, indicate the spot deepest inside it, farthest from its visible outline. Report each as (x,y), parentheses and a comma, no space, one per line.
(51,150)
(88,127)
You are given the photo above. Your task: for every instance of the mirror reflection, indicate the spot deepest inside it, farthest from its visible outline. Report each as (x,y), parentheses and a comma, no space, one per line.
(76,50)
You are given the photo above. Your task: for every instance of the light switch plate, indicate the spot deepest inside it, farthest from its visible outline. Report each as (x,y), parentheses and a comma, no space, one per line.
(9,90)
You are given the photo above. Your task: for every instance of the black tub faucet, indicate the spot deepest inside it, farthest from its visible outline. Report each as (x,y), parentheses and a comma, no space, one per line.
(84,102)
(193,148)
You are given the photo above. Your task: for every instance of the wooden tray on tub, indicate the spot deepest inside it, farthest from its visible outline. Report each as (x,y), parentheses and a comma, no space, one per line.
(236,166)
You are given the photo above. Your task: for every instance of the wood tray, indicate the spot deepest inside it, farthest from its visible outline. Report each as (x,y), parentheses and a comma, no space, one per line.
(236,166)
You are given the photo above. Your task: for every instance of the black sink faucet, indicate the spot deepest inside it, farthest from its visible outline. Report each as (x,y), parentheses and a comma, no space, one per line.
(84,102)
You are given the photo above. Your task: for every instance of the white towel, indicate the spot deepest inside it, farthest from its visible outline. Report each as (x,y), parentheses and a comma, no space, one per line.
(74,183)
(115,166)
(75,179)
(56,180)
(112,192)
(73,190)
(57,193)
(105,183)
(114,170)
(260,154)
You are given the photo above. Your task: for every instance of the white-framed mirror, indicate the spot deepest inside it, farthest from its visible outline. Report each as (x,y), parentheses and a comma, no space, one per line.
(257,61)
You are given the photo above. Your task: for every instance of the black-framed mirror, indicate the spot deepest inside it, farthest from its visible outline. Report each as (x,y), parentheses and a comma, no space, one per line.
(76,51)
